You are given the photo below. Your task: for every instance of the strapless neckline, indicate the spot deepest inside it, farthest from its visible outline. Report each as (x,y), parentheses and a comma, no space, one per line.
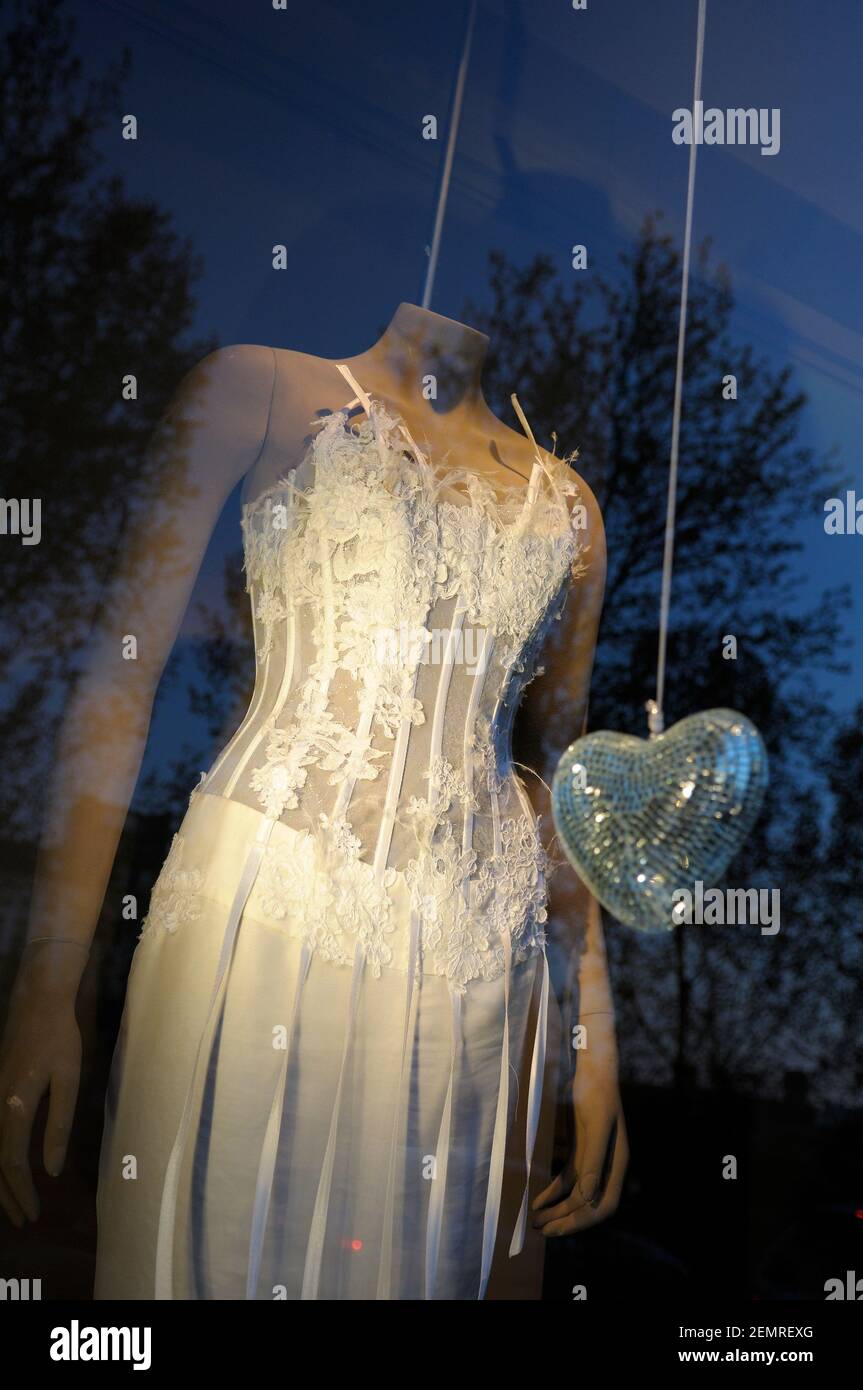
(471,485)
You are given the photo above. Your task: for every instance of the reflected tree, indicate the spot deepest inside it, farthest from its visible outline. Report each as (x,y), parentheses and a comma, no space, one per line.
(95,287)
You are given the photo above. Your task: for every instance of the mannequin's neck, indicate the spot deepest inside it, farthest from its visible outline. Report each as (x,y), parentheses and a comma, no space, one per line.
(424,354)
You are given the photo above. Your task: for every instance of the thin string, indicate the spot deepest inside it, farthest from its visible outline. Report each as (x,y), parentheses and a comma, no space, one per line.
(534,773)
(655,719)
(455,117)
(56,941)
(555,839)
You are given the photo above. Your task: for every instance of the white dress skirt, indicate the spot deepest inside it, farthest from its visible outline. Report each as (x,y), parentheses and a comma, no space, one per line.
(158,1058)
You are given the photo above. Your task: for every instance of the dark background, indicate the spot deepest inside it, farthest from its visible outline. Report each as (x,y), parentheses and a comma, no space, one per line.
(260,126)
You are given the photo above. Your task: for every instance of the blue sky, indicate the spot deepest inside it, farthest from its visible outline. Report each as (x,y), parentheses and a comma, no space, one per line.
(302,126)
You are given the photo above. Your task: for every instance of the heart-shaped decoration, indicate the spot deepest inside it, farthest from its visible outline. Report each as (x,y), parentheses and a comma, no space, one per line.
(642,818)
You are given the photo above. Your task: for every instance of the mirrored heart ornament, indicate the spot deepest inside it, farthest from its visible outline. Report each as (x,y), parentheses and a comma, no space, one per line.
(643,819)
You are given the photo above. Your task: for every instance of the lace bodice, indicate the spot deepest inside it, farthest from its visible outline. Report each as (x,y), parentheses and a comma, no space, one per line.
(398,613)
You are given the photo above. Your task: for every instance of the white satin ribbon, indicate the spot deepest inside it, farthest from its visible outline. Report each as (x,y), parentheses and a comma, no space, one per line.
(438,1192)
(498,1145)
(270,1147)
(352,381)
(164,1272)
(315,1246)
(385,1267)
(534,1104)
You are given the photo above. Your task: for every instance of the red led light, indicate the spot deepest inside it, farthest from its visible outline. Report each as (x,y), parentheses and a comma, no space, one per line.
(356,1245)
(859,1213)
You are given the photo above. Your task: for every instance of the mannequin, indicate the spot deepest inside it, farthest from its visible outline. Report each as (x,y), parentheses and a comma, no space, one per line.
(244,412)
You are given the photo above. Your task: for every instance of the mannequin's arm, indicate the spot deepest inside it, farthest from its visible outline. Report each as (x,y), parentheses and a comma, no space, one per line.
(553,715)
(208,438)
(588,1188)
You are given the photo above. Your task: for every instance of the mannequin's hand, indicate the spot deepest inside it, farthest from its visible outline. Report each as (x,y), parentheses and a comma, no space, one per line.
(588,1189)
(41,1051)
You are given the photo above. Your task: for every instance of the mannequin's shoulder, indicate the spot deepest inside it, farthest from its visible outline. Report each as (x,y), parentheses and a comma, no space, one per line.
(585,510)
(225,400)
(240,374)
(585,495)
(217,419)
(589,528)
(247,374)
(252,367)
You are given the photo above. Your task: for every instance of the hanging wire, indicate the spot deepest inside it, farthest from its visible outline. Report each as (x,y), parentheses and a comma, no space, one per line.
(655,707)
(455,116)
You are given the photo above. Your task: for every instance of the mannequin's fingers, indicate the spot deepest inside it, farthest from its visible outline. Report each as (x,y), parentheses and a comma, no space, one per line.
(19,1109)
(61,1112)
(9,1205)
(562,1197)
(607,1206)
(556,1190)
(581,1181)
(587,1215)
(551,1216)
(591,1158)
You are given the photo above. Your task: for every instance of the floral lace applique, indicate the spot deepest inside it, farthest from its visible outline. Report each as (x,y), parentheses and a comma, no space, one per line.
(320,889)
(481,741)
(283,774)
(507,579)
(460,929)
(270,610)
(448,786)
(267,547)
(174,899)
(465,902)
(511,885)
(316,888)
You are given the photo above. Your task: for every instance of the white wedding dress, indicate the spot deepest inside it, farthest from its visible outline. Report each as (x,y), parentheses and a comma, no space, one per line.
(311,1091)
